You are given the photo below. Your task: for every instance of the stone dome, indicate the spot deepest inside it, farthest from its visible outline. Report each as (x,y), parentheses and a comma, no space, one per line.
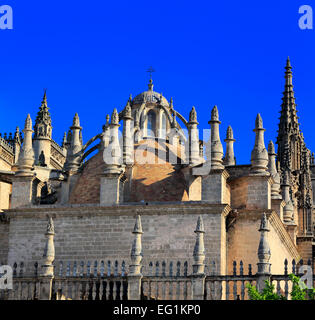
(150,96)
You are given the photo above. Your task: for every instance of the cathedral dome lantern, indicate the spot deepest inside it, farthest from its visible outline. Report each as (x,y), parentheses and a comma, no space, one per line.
(152,112)
(150,96)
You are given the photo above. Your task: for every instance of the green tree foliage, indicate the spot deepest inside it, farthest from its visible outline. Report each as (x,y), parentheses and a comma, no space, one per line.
(299,291)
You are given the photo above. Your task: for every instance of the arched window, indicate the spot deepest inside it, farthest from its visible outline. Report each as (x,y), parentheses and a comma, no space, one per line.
(163,126)
(151,124)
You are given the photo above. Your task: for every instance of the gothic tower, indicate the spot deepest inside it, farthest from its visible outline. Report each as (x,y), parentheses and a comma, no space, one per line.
(294,161)
(42,135)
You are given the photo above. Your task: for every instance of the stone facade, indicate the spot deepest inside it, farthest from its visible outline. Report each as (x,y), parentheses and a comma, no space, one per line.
(156,169)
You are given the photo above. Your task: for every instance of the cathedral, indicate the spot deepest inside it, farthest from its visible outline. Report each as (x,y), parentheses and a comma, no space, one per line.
(148,160)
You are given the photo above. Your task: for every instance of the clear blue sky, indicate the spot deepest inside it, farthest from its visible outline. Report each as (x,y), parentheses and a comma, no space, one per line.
(90,55)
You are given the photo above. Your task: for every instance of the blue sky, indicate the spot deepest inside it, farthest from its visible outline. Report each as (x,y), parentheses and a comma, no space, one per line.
(91,55)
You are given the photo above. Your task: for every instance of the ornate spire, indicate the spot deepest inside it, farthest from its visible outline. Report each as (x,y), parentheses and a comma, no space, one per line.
(288,126)
(26,156)
(194,152)
(229,159)
(64,140)
(42,127)
(216,145)
(275,188)
(199,249)
(259,156)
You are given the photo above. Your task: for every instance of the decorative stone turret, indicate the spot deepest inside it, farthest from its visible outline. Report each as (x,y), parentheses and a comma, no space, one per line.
(259,157)
(194,157)
(23,180)
(134,276)
(127,135)
(198,276)
(73,160)
(288,208)
(42,132)
(229,159)
(111,189)
(112,155)
(264,254)
(199,250)
(275,188)
(47,268)
(216,145)
(136,250)
(49,252)
(26,158)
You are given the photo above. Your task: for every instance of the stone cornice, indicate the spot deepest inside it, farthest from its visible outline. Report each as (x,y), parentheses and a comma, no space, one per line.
(125,209)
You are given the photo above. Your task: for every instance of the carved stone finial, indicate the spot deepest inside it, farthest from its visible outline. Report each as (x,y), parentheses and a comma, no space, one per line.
(127,110)
(136,249)
(258,122)
(264,248)
(215,114)
(193,116)
(229,158)
(229,133)
(216,145)
(50,226)
(28,123)
(76,120)
(264,225)
(199,249)
(64,140)
(49,251)
(259,156)
(115,117)
(271,148)
(288,63)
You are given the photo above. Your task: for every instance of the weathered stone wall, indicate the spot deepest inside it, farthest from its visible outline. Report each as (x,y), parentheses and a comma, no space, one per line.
(4,241)
(100,233)
(5,191)
(243,242)
(251,192)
